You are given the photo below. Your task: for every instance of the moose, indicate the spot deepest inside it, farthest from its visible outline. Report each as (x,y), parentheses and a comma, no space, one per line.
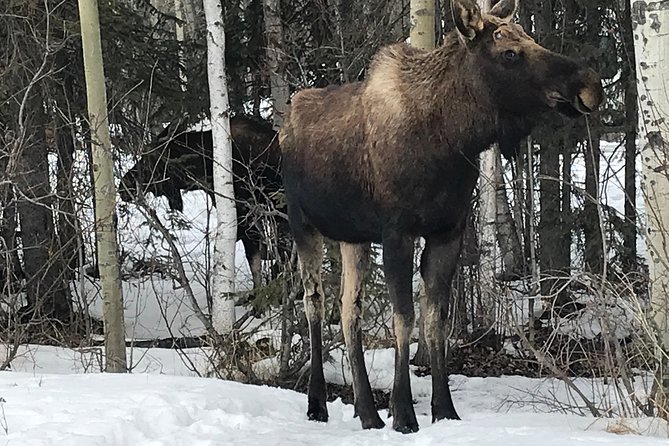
(395,157)
(183,161)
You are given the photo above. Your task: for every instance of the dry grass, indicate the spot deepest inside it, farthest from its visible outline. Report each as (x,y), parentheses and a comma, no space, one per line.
(621,426)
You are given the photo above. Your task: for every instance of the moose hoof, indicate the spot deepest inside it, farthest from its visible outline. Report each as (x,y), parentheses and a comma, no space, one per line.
(405,422)
(373,423)
(406,428)
(317,412)
(449,414)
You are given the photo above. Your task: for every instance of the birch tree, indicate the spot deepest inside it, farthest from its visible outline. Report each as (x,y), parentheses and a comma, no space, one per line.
(277,72)
(490,170)
(225,238)
(651,45)
(422,35)
(422,24)
(507,231)
(105,189)
(180,35)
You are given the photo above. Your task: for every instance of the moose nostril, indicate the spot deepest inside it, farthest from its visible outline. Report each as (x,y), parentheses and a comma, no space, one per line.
(590,98)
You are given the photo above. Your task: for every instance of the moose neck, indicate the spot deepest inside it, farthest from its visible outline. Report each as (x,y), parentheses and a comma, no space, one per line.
(452,98)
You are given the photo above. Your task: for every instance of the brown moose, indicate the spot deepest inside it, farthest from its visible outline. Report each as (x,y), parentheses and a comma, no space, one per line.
(395,157)
(183,161)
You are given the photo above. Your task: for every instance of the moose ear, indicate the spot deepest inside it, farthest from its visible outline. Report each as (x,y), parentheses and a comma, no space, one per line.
(467,18)
(504,9)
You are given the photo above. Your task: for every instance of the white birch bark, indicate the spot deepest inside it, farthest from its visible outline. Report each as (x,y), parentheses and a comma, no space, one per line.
(277,74)
(225,238)
(179,32)
(105,189)
(422,35)
(507,232)
(489,168)
(487,235)
(422,24)
(651,45)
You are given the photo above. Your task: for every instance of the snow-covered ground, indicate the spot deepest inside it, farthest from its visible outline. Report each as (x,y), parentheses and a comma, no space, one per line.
(46,400)
(144,409)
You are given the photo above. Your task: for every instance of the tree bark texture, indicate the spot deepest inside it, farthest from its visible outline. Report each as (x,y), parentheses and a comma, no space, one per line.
(631,120)
(46,288)
(422,35)
(507,232)
(651,41)
(490,167)
(594,252)
(105,189)
(223,276)
(277,70)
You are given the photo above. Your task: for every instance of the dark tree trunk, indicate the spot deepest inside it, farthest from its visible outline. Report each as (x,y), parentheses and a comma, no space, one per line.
(594,253)
(566,215)
(529,206)
(46,287)
(10,263)
(631,118)
(553,231)
(592,224)
(550,225)
(69,238)
(549,170)
(629,228)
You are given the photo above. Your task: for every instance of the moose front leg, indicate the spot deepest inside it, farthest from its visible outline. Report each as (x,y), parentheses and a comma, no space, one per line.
(438,263)
(398,269)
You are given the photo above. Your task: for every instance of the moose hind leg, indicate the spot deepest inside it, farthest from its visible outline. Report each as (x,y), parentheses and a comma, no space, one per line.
(438,264)
(310,254)
(354,260)
(254,258)
(398,269)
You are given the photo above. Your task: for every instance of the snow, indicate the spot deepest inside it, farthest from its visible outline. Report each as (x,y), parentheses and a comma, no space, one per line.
(612,186)
(158,307)
(147,409)
(44,359)
(47,400)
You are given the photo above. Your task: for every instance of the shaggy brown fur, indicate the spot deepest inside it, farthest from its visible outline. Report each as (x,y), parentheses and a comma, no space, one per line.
(396,157)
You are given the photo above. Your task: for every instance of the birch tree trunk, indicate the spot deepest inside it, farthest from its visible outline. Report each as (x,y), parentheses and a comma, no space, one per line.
(194,18)
(179,32)
(422,24)
(487,239)
(223,280)
(489,172)
(509,241)
(277,71)
(422,34)
(105,189)
(651,42)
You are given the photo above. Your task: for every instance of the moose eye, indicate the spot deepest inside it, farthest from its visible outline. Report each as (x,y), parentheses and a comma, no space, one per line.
(510,55)
(497,35)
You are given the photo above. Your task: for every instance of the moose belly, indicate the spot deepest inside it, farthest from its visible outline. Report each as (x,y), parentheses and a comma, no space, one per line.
(343,216)
(350,214)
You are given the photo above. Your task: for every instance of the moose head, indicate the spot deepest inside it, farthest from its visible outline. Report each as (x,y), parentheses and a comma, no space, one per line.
(522,76)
